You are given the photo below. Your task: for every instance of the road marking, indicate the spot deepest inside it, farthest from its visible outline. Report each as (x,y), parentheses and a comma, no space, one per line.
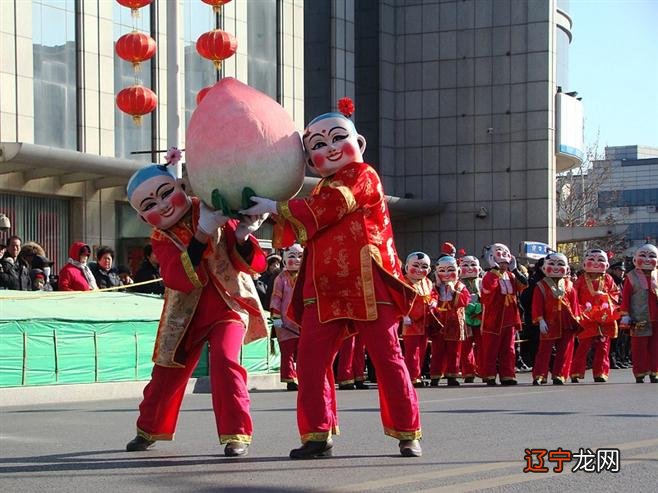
(485,467)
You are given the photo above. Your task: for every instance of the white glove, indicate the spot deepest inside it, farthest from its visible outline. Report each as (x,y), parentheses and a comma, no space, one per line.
(263,206)
(249,225)
(277,323)
(210,220)
(406,320)
(543,327)
(625,320)
(512,264)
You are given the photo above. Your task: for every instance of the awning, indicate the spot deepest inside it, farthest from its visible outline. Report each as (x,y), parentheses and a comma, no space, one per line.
(35,161)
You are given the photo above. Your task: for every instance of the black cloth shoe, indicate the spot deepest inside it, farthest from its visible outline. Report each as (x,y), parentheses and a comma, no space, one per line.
(346,386)
(453,382)
(313,450)
(491,382)
(360,385)
(600,379)
(509,382)
(292,386)
(419,385)
(537,381)
(410,448)
(653,378)
(434,382)
(558,381)
(639,379)
(575,380)
(139,444)
(236,449)
(469,380)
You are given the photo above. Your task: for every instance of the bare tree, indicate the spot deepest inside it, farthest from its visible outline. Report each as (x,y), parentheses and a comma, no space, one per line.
(577,192)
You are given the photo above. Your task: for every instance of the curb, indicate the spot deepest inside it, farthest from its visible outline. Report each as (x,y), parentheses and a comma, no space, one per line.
(59,394)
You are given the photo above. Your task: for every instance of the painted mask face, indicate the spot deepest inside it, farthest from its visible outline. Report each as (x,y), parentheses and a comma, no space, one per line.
(292,257)
(446,269)
(556,265)
(417,266)
(332,143)
(469,267)
(161,201)
(646,257)
(595,261)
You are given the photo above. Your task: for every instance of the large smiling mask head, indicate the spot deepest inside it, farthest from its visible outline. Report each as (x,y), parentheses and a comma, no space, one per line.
(331,143)
(646,257)
(595,261)
(469,267)
(417,266)
(556,265)
(157,196)
(446,269)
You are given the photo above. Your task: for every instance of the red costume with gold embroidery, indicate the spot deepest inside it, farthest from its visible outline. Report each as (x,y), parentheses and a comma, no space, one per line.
(213,303)
(555,309)
(500,316)
(596,293)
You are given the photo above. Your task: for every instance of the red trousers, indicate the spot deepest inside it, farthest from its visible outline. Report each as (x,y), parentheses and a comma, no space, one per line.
(351,360)
(163,395)
(414,355)
(601,361)
(471,354)
(288,349)
(644,354)
(445,357)
(563,356)
(317,417)
(498,355)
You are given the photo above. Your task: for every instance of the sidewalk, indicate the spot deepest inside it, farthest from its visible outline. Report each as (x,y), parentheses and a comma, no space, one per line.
(57,394)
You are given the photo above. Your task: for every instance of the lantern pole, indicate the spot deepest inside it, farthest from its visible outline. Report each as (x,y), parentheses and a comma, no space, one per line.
(174,127)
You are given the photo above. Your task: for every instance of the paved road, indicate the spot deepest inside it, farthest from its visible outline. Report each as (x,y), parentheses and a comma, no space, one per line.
(475,439)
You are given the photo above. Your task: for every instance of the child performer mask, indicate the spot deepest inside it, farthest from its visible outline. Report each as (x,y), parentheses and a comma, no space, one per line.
(157,196)
(292,257)
(498,254)
(417,266)
(331,143)
(646,257)
(469,267)
(446,269)
(556,265)
(595,261)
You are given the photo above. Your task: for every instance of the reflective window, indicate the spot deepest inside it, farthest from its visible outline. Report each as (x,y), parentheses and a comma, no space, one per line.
(54,48)
(129,137)
(198,18)
(628,198)
(262,59)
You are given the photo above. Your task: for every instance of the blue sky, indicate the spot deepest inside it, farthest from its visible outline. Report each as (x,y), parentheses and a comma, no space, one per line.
(613,64)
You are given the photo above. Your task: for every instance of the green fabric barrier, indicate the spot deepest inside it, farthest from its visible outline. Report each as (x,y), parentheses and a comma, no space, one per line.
(90,337)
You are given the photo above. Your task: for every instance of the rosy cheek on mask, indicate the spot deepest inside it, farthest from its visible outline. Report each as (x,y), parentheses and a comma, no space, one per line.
(153,218)
(179,199)
(318,161)
(349,150)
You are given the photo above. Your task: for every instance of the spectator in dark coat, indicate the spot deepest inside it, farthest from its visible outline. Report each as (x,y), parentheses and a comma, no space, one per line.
(149,270)
(15,266)
(106,276)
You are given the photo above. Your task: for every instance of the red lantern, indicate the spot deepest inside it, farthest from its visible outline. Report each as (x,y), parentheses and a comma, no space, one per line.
(137,101)
(216,45)
(134,5)
(202,94)
(216,4)
(135,47)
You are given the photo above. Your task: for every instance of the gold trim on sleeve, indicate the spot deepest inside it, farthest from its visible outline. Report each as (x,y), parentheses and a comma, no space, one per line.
(189,270)
(283,208)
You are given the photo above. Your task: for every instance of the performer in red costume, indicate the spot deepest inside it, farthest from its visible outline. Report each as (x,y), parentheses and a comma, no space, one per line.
(350,281)
(446,343)
(639,307)
(206,262)
(421,321)
(287,331)
(597,292)
(352,364)
(469,274)
(500,315)
(555,309)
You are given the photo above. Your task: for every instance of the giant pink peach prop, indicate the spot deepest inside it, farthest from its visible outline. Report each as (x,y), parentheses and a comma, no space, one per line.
(239,137)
